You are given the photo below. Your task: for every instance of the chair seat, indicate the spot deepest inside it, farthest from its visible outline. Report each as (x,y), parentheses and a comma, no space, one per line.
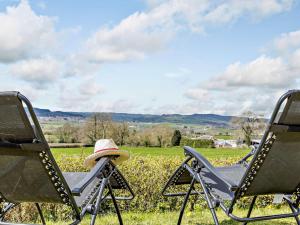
(233,174)
(73,178)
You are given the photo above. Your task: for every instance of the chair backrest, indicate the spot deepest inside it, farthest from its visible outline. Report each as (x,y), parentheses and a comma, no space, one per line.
(276,164)
(14,124)
(28,171)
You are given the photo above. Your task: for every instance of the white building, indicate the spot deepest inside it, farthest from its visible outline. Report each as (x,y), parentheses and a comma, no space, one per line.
(221,143)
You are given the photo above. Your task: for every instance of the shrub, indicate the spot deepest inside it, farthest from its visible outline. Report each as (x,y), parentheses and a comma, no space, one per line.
(197,143)
(176,138)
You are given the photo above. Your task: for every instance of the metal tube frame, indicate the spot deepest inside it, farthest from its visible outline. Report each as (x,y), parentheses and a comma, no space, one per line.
(186,198)
(98,198)
(251,208)
(214,202)
(115,204)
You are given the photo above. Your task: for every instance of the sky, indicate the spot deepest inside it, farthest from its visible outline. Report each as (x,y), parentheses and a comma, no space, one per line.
(151,56)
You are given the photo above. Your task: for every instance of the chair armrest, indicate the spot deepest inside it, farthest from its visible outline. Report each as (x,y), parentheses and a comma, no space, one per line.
(251,153)
(95,171)
(207,165)
(9,145)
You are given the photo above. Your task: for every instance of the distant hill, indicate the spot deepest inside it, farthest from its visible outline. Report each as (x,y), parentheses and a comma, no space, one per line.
(200,119)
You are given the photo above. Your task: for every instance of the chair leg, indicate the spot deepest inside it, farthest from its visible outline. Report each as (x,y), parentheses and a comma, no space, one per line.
(115,204)
(98,201)
(208,200)
(186,198)
(251,208)
(6,209)
(294,211)
(40,212)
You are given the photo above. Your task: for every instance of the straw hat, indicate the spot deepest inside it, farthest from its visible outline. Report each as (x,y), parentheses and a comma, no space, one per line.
(106,147)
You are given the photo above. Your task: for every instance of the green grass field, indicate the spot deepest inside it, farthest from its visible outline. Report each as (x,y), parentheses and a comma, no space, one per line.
(196,217)
(225,137)
(212,153)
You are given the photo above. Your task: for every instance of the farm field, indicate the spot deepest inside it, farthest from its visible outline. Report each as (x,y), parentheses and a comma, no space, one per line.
(212,153)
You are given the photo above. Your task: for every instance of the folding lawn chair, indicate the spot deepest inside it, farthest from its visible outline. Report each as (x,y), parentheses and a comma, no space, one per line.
(274,169)
(29,173)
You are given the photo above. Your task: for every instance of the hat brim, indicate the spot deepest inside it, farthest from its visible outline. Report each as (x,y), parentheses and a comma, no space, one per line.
(90,161)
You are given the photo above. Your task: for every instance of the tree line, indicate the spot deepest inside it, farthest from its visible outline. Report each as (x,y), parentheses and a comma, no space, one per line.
(101,126)
(247,127)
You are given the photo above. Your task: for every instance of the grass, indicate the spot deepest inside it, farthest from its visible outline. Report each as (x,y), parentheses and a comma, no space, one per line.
(211,153)
(224,137)
(197,217)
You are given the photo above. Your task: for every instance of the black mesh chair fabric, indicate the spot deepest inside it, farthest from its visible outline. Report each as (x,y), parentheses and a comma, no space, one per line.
(14,123)
(234,174)
(23,177)
(73,178)
(291,112)
(277,164)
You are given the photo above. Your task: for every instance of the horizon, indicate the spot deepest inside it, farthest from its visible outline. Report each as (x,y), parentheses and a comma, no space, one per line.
(151,56)
(135,113)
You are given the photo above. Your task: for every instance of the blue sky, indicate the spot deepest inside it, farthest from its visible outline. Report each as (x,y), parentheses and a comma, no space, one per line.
(151,56)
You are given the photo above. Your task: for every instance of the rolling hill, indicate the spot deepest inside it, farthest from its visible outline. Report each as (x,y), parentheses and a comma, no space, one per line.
(199,119)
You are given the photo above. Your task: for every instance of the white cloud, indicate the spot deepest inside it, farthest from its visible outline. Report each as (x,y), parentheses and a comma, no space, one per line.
(233,101)
(261,72)
(287,41)
(154,3)
(294,61)
(147,32)
(79,94)
(197,94)
(41,71)
(142,32)
(33,94)
(120,105)
(229,11)
(24,34)
(255,85)
(90,88)
(79,98)
(182,72)
(70,98)
(77,65)
(131,39)
(42,5)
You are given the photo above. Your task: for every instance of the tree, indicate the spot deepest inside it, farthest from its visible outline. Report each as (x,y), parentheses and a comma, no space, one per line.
(120,133)
(162,134)
(97,126)
(249,124)
(175,141)
(67,134)
(134,138)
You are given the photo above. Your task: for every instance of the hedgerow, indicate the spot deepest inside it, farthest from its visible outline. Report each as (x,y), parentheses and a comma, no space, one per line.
(197,143)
